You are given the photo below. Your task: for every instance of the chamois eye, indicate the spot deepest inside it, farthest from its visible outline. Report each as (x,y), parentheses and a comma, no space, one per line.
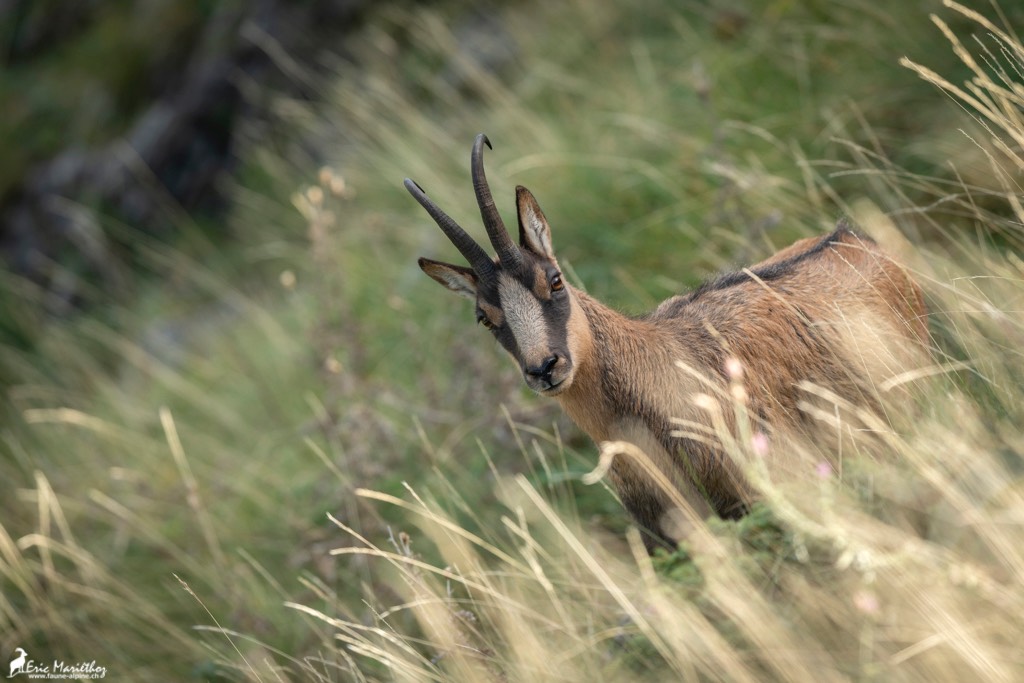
(486,323)
(556,283)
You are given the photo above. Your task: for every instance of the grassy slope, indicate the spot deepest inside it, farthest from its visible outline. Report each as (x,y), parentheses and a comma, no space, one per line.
(326,362)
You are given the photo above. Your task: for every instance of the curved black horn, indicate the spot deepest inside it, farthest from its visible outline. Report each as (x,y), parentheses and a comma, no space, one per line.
(473,252)
(508,252)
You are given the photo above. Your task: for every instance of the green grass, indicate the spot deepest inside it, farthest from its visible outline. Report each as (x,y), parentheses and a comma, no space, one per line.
(301,460)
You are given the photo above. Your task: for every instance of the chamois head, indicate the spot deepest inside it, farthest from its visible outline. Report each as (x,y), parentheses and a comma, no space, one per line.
(520,295)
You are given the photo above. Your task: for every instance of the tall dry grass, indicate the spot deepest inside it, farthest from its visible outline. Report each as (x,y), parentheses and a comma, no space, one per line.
(129,545)
(905,563)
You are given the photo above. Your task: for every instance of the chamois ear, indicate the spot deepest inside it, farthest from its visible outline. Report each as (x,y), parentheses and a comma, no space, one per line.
(534,232)
(459,279)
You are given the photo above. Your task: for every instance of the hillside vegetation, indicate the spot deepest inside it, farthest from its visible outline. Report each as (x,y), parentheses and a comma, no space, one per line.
(297,459)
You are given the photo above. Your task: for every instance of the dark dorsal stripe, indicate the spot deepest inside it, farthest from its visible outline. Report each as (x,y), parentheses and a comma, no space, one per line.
(780,269)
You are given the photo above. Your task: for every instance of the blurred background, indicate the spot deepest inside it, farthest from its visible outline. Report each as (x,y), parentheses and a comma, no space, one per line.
(213,333)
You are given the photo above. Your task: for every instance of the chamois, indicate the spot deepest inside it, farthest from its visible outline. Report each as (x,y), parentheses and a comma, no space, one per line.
(834,311)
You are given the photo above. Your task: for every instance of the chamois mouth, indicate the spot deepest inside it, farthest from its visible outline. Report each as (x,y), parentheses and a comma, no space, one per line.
(556,388)
(554,383)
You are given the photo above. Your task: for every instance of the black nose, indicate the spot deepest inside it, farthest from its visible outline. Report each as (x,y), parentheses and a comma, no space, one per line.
(543,370)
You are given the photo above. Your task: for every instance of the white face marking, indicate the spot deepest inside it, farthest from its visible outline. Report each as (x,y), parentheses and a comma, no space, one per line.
(523,315)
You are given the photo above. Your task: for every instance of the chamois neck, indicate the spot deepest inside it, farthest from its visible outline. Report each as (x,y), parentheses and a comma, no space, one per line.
(611,331)
(596,325)
(609,349)
(595,309)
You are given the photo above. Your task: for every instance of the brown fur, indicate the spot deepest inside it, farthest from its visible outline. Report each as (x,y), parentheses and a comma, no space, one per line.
(845,317)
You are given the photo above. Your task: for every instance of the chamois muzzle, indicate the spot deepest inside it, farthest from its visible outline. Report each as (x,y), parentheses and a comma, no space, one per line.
(550,376)
(543,371)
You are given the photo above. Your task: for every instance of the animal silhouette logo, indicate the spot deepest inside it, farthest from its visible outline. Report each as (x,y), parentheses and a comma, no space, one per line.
(18,663)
